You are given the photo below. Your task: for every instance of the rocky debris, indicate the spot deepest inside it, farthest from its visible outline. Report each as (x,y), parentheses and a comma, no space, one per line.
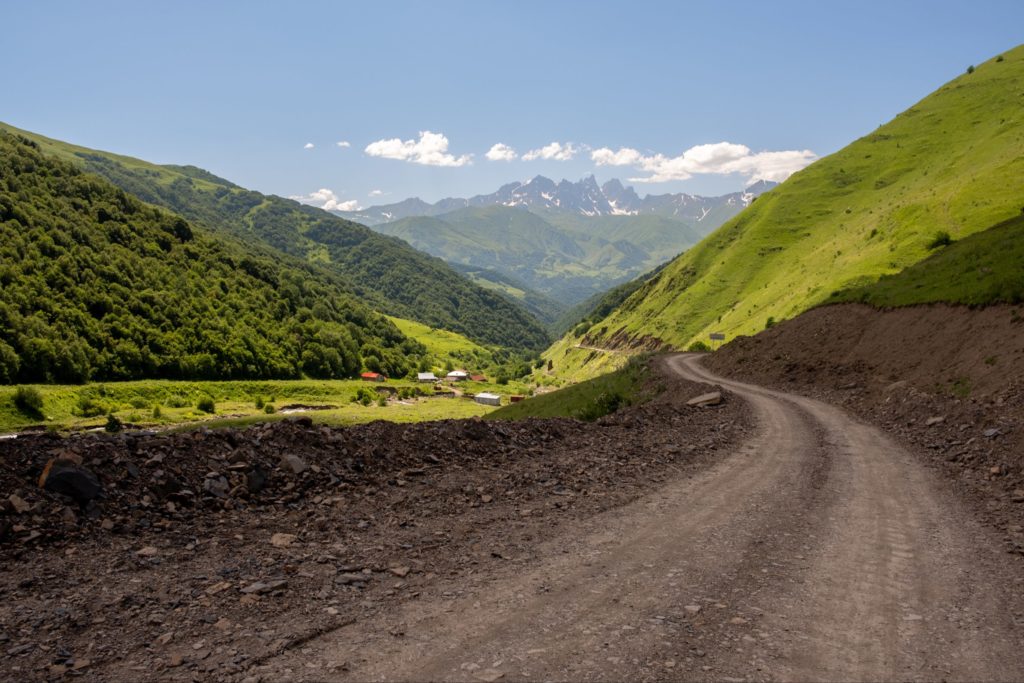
(712,398)
(932,421)
(376,514)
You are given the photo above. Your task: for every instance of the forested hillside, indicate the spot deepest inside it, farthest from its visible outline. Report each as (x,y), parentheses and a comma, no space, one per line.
(95,284)
(386,273)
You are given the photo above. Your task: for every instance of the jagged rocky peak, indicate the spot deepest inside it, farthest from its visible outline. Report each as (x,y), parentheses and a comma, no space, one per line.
(583,197)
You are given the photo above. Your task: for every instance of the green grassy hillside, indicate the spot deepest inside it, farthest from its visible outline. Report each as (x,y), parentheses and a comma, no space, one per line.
(953,162)
(984,268)
(587,400)
(388,274)
(543,307)
(95,284)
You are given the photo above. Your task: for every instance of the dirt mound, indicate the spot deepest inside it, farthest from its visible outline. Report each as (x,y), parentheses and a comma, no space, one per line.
(936,348)
(947,380)
(212,550)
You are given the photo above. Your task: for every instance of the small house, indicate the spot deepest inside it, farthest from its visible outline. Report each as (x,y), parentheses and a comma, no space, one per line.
(426,377)
(477,378)
(488,399)
(457,375)
(373,377)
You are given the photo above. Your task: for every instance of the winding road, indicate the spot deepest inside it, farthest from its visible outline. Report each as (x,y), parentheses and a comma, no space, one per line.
(817,550)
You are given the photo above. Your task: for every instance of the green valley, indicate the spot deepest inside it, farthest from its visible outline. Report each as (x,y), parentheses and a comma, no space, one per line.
(564,257)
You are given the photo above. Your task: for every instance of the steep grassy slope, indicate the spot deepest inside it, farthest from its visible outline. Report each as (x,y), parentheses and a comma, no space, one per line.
(95,284)
(984,268)
(387,273)
(954,162)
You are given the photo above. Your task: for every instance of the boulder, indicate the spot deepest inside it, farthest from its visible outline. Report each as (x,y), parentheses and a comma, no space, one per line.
(72,480)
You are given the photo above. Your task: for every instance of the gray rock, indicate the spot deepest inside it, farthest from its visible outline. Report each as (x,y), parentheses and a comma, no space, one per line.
(294,463)
(710,399)
(216,486)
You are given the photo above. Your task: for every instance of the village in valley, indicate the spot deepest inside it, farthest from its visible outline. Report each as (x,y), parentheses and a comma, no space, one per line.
(455,383)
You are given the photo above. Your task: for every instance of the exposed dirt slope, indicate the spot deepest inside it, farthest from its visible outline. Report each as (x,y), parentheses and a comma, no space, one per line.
(946,380)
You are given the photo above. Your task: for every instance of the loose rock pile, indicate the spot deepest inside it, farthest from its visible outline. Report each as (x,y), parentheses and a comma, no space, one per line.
(203,553)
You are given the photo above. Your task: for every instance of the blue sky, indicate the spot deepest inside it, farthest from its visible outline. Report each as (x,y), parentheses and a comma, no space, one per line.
(625,89)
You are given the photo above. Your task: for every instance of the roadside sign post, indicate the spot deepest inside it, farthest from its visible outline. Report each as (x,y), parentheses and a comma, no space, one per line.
(717,337)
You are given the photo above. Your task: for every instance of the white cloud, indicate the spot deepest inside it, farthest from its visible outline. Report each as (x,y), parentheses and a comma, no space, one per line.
(430,150)
(326,199)
(556,151)
(626,156)
(376,193)
(343,143)
(720,158)
(501,152)
(308,145)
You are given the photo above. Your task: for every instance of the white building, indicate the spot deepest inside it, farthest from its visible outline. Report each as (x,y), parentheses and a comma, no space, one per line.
(425,377)
(458,375)
(488,399)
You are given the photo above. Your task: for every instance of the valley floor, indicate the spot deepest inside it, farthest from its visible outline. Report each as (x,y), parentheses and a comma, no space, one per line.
(771,537)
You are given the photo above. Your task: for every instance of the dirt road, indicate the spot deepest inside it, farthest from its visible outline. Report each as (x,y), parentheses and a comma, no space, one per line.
(818,550)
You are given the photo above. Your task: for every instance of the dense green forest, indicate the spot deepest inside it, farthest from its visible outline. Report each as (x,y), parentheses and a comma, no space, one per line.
(95,284)
(386,273)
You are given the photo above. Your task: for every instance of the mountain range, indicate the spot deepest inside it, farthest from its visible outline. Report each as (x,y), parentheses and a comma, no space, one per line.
(562,242)
(585,197)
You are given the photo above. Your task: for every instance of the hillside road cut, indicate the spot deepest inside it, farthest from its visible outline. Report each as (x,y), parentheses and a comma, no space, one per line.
(819,549)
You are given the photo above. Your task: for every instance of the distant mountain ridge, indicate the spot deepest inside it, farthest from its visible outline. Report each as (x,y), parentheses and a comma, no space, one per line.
(584,197)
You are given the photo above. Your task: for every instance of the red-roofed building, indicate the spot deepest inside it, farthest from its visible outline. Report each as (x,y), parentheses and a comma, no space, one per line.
(478,378)
(373,377)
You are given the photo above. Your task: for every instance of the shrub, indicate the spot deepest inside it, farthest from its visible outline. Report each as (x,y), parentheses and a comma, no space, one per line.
(970,69)
(157,413)
(604,404)
(206,405)
(269,409)
(259,403)
(770,322)
(698,347)
(177,402)
(113,423)
(382,401)
(137,402)
(999,58)
(28,400)
(941,239)
(88,406)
